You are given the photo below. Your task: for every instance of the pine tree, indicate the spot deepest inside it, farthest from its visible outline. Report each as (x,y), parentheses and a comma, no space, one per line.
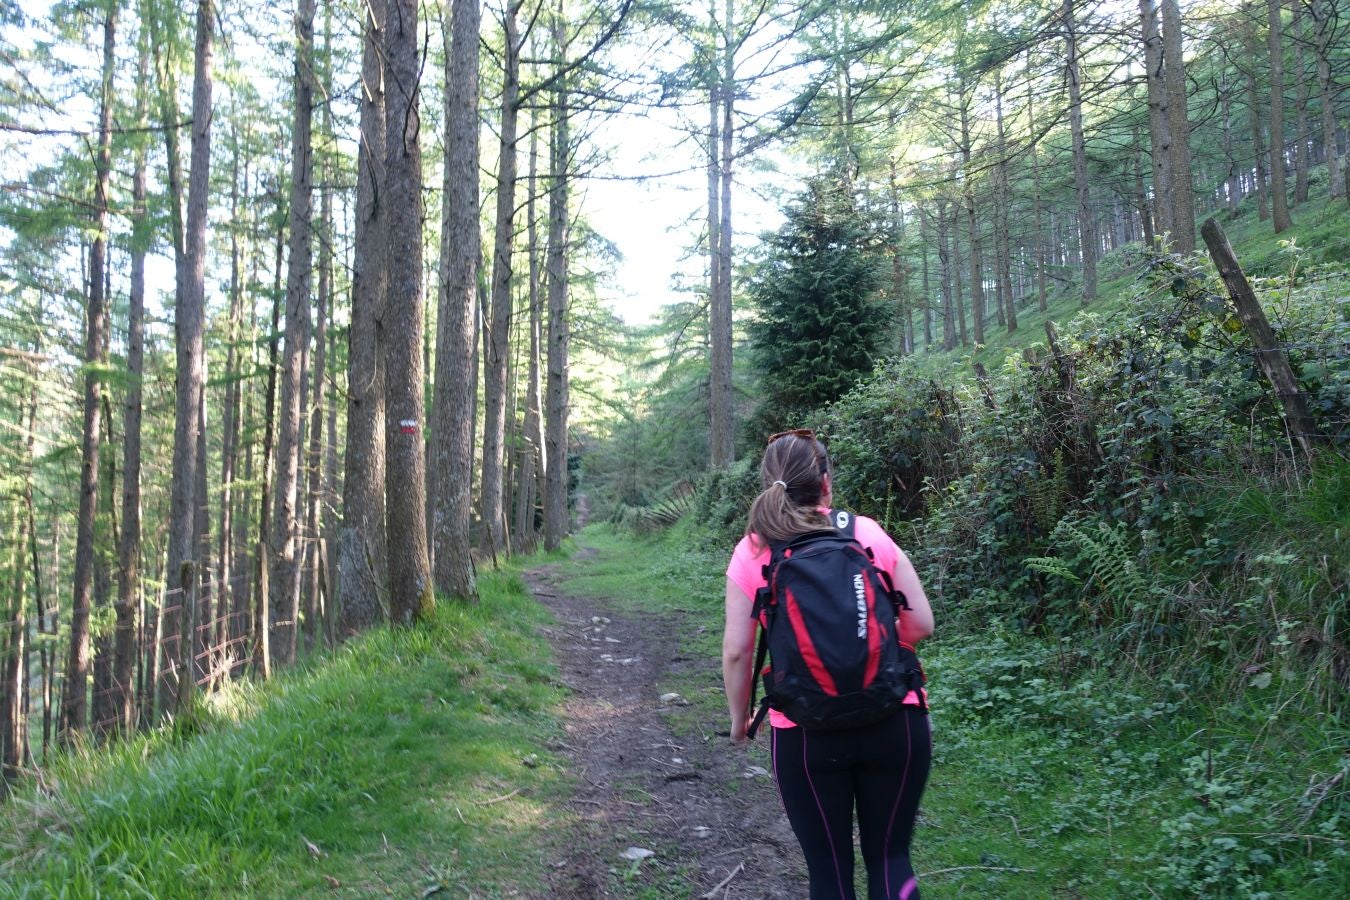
(821,323)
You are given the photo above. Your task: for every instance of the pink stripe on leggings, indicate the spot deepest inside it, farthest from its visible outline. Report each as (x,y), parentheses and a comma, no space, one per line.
(838,870)
(909,885)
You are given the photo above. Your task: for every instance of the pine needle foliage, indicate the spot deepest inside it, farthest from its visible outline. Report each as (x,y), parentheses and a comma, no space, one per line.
(820,323)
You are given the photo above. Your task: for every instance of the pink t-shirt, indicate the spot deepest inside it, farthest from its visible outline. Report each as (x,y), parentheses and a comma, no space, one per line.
(746,571)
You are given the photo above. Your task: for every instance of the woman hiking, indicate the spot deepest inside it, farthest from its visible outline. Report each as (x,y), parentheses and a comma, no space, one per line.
(823,773)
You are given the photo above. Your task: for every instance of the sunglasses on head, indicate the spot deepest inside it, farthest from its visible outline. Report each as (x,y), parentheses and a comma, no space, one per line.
(796,432)
(809,435)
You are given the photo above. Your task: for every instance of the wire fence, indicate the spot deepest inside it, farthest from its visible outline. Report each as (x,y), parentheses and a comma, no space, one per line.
(180,641)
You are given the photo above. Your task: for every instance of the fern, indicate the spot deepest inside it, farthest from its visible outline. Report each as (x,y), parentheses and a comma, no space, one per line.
(1052,565)
(1107,554)
(1047,496)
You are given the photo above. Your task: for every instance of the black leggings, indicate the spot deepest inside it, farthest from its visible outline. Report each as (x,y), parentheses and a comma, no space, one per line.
(881,767)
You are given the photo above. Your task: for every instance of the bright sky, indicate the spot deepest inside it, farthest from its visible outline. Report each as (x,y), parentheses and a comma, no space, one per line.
(651,203)
(657,223)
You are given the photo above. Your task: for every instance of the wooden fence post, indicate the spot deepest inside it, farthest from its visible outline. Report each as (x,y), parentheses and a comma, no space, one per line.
(1298,420)
(262,631)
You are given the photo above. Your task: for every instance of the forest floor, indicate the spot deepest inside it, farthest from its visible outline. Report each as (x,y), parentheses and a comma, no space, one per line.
(646,780)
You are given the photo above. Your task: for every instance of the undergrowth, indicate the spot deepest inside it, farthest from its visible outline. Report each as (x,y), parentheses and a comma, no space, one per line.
(1061,766)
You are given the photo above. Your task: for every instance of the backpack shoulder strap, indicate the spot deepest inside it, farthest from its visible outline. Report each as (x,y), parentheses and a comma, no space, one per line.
(844,522)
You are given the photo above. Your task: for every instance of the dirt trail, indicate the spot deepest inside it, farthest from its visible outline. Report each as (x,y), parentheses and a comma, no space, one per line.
(708,810)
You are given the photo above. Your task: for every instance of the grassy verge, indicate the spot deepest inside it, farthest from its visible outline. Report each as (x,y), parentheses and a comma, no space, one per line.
(403,761)
(1056,773)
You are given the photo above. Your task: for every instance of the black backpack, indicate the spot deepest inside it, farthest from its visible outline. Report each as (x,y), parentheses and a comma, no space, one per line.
(828,625)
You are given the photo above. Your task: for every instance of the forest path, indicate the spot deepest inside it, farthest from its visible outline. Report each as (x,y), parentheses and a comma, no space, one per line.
(650,776)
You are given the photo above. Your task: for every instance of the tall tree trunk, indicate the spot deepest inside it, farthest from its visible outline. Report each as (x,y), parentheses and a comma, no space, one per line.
(129,543)
(1038,201)
(722,425)
(286,513)
(1141,193)
(1232,182)
(1004,199)
(262,614)
(498,346)
(456,322)
(361,552)
(531,464)
(1179,131)
(230,426)
(1159,123)
(1324,14)
(314,456)
(972,224)
(1302,82)
(927,302)
(1087,228)
(189,328)
(410,589)
(102,716)
(958,293)
(203,619)
(1279,198)
(1258,146)
(14,716)
(75,711)
(948,266)
(898,292)
(559,336)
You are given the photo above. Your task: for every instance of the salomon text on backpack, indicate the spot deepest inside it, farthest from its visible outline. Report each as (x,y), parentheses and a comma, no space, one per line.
(828,627)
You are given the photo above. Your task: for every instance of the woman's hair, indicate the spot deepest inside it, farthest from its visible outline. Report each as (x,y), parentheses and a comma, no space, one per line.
(792,476)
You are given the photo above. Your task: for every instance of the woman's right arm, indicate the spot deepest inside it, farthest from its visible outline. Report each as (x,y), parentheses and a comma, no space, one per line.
(738,647)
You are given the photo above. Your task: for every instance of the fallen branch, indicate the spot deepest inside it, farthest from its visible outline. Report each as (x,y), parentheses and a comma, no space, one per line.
(497,799)
(740,867)
(977,869)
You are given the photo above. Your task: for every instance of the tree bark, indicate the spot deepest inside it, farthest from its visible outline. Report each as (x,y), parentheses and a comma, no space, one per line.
(1279,198)
(498,346)
(14,715)
(189,329)
(410,589)
(948,266)
(1270,356)
(532,450)
(313,606)
(972,223)
(1179,131)
(1324,14)
(1159,123)
(1302,81)
(1004,199)
(1041,262)
(361,551)
(559,335)
(231,426)
(1087,229)
(286,511)
(75,710)
(456,322)
(1258,147)
(722,424)
(1232,181)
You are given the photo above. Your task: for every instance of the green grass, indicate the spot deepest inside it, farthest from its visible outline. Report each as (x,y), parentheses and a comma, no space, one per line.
(418,758)
(401,759)
(1321,233)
